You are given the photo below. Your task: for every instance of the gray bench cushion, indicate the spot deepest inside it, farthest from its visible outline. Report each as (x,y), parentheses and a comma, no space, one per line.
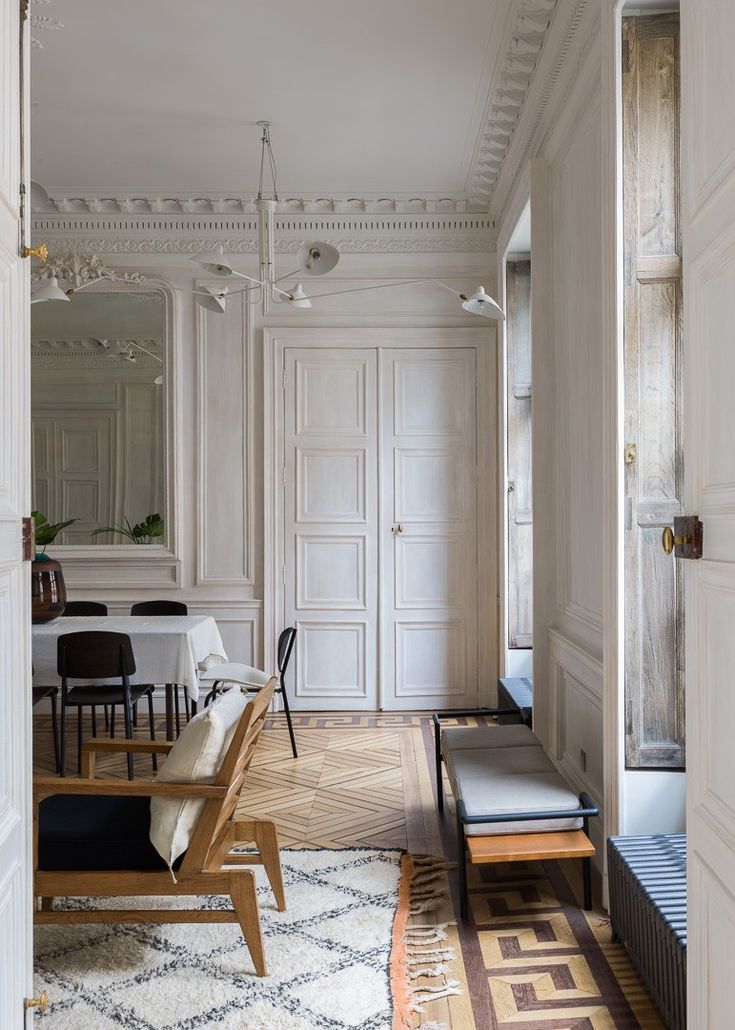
(513,780)
(486,763)
(456,737)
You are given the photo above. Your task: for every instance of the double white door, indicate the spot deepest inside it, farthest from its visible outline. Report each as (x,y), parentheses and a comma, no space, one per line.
(380,548)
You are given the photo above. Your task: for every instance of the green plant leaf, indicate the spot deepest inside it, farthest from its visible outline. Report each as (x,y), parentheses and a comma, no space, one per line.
(46,533)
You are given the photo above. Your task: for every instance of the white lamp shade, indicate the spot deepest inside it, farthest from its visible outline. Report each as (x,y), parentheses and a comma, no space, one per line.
(299,298)
(215,263)
(210,300)
(317,258)
(481,303)
(48,290)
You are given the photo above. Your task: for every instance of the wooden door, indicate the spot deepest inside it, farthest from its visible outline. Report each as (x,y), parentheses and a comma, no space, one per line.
(429,528)
(520,509)
(15,482)
(708,138)
(330,484)
(654,610)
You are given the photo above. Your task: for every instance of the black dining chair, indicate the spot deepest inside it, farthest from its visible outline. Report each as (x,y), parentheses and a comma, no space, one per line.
(88,610)
(85,609)
(237,674)
(99,655)
(39,693)
(165,608)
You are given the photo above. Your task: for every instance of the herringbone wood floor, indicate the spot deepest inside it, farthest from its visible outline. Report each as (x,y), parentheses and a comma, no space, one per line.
(532,957)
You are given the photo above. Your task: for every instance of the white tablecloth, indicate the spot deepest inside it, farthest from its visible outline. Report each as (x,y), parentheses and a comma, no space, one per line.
(167,649)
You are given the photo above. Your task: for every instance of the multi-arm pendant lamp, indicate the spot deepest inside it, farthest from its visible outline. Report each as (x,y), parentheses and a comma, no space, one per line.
(314,258)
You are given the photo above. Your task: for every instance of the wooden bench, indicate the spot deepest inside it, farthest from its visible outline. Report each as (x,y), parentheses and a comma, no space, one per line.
(512,805)
(648,912)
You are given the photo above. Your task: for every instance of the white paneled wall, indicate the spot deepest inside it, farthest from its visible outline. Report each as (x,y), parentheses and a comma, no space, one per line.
(216,401)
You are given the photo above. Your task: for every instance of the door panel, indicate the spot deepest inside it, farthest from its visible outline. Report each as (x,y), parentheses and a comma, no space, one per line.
(15,482)
(708,135)
(330,524)
(429,530)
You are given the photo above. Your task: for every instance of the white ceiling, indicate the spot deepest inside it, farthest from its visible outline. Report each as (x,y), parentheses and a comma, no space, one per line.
(153,97)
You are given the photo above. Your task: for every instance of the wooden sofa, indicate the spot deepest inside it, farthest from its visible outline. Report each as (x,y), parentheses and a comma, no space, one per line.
(511,803)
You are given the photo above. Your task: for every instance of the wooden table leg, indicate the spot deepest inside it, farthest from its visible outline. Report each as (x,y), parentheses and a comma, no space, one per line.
(170,734)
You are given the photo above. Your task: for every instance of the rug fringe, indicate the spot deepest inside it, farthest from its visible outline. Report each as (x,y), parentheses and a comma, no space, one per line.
(421,952)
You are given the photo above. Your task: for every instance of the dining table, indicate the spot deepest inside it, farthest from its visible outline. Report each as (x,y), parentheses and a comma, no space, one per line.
(168,650)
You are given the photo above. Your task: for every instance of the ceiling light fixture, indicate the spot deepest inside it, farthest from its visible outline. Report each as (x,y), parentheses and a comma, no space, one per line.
(315,258)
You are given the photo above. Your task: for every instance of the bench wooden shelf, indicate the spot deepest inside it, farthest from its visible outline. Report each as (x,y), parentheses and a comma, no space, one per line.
(529,847)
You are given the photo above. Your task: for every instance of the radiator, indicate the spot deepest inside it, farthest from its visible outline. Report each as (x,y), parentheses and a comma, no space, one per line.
(647,883)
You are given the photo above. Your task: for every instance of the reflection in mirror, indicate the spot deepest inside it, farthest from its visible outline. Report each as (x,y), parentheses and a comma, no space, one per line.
(98,408)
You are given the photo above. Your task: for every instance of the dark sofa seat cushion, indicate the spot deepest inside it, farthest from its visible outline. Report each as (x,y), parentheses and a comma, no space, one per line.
(100,832)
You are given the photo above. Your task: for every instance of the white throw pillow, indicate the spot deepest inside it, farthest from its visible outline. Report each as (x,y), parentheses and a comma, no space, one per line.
(196,757)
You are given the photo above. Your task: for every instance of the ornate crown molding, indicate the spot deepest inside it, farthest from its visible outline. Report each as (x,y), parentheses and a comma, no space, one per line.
(163,203)
(93,353)
(40,21)
(508,95)
(82,234)
(77,270)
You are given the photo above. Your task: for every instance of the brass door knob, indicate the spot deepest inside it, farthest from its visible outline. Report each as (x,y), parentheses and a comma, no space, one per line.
(41,252)
(670,541)
(40,1003)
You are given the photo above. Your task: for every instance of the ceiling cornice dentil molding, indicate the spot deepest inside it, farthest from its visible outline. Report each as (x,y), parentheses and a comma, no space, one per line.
(508,95)
(167,203)
(87,233)
(576,29)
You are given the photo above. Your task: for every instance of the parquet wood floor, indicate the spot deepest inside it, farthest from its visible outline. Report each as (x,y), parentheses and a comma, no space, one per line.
(531,958)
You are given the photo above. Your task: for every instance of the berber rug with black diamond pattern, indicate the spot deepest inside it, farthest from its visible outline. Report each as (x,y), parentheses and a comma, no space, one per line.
(351,952)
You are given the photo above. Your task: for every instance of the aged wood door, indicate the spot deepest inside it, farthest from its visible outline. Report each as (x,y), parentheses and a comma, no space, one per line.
(15,483)
(708,151)
(654,610)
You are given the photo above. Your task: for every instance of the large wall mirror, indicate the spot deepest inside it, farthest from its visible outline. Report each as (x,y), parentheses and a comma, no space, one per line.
(99,410)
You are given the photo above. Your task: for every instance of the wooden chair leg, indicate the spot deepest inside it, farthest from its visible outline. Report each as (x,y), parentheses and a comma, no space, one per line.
(112,722)
(47,904)
(94,720)
(55,732)
(245,904)
(107,716)
(266,838)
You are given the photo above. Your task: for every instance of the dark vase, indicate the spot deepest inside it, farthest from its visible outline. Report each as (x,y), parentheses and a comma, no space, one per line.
(48,590)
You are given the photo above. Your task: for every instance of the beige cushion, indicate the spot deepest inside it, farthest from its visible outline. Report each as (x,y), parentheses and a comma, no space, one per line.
(195,757)
(517,735)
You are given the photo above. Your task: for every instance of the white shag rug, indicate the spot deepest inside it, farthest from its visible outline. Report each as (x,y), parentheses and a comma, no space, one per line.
(328,955)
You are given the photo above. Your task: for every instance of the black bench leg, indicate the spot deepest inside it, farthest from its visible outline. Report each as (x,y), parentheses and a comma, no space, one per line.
(461,870)
(438,759)
(587,883)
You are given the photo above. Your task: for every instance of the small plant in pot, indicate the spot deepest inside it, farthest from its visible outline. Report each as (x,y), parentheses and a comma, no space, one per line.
(48,590)
(151,528)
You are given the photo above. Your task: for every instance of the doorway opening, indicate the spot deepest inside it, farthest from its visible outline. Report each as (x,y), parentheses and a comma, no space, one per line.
(518,453)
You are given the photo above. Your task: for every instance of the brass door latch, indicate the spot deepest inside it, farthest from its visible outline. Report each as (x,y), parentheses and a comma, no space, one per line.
(40,1003)
(685,540)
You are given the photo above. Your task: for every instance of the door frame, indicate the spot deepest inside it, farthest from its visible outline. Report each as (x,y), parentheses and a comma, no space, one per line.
(483,341)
